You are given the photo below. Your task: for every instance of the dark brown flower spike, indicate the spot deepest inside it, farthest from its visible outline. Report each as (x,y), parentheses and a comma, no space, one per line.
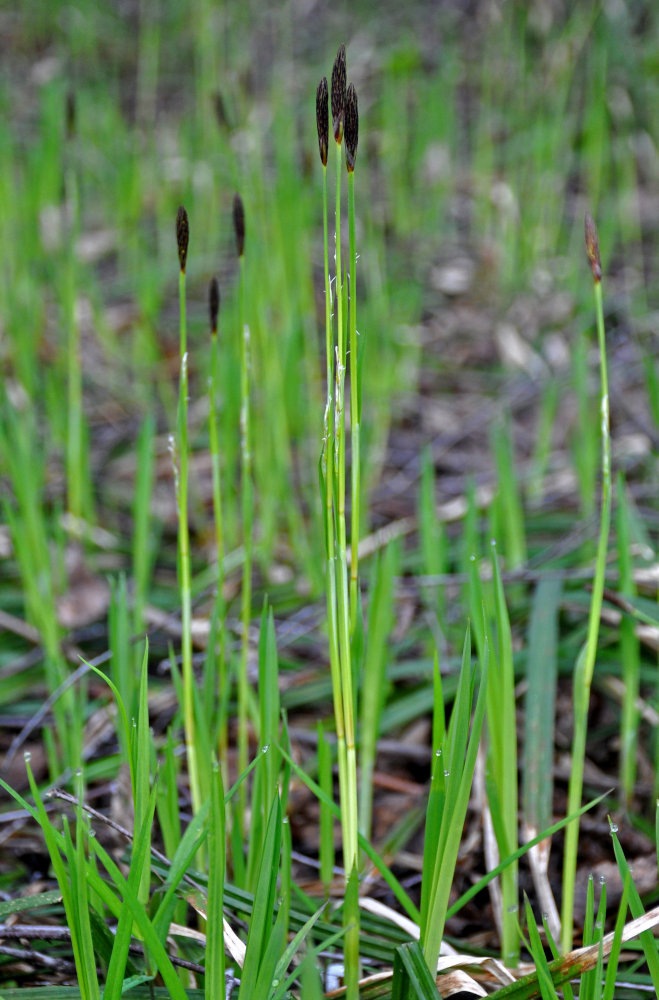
(351,127)
(239,223)
(339,93)
(322,119)
(593,248)
(182,236)
(70,114)
(214,303)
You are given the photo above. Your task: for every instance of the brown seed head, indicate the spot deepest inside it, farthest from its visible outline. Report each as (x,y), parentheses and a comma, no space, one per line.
(182,236)
(351,127)
(221,110)
(70,114)
(593,248)
(322,119)
(339,93)
(239,223)
(214,303)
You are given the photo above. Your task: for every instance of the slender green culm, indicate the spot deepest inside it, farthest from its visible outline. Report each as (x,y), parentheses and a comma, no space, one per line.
(328,463)
(247,503)
(339,613)
(220,609)
(629,650)
(75,451)
(214,984)
(586,661)
(182,240)
(351,129)
(327,456)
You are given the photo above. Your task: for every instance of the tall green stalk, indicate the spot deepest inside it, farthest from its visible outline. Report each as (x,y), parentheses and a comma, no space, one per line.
(182,239)
(333,462)
(214,308)
(586,661)
(327,457)
(247,504)
(75,458)
(351,137)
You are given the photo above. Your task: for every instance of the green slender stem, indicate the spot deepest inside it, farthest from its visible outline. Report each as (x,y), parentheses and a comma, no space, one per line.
(219,551)
(347,781)
(328,471)
(247,516)
(184,559)
(586,666)
(74,442)
(354,407)
(349,805)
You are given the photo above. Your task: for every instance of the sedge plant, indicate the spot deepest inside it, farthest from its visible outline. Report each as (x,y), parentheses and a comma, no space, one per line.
(214,309)
(351,129)
(247,502)
(181,478)
(333,473)
(75,450)
(585,664)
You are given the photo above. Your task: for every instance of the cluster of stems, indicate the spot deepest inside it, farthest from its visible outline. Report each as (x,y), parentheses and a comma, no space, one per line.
(341,572)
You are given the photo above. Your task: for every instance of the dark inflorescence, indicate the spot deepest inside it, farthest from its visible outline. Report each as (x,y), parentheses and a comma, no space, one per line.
(351,127)
(214,303)
(339,74)
(182,236)
(322,119)
(239,223)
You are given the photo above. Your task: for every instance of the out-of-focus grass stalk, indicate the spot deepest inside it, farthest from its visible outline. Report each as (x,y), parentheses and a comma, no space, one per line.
(247,505)
(326,848)
(214,309)
(351,130)
(75,458)
(586,660)
(144,530)
(374,681)
(182,240)
(214,984)
(502,761)
(629,652)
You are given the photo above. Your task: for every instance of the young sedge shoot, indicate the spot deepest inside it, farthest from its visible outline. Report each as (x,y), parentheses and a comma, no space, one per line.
(327,456)
(247,504)
(214,309)
(181,479)
(585,665)
(338,587)
(351,127)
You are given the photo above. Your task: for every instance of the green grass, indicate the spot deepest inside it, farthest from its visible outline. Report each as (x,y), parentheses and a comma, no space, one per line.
(378,583)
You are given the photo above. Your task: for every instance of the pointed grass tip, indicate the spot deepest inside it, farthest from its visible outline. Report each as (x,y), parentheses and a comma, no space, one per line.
(339,75)
(322,119)
(351,127)
(239,223)
(593,247)
(214,303)
(182,236)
